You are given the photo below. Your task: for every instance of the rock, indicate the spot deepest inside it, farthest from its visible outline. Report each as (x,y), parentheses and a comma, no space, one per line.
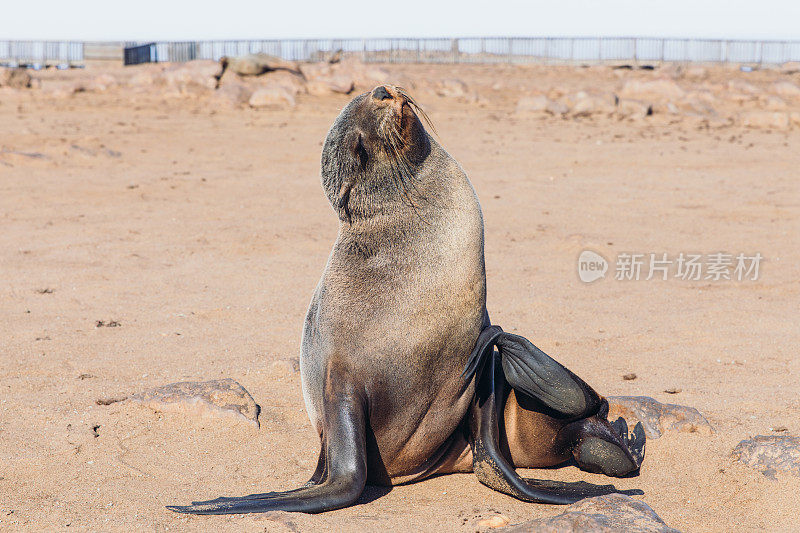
(770,454)
(794,118)
(765,120)
(656,417)
(492,522)
(533,104)
(255,64)
(790,67)
(103,82)
(272,96)
(336,83)
(234,93)
(694,105)
(218,396)
(786,89)
(772,103)
(696,72)
(587,104)
(740,86)
(610,513)
(628,108)
(293,83)
(452,88)
(290,365)
(193,77)
(557,108)
(16,78)
(662,89)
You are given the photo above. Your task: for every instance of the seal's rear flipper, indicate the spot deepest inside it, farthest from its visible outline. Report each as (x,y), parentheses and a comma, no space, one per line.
(531,371)
(491,466)
(338,481)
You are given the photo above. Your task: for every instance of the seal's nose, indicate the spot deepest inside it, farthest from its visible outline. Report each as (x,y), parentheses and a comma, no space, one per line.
(380,93)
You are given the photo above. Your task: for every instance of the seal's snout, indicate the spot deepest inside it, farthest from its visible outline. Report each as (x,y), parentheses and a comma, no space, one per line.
(380,93)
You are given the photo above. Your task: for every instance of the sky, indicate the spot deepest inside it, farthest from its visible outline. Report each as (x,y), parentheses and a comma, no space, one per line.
(144,20)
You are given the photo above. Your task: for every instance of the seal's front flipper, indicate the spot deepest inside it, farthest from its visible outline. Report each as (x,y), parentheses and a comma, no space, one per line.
(338,481)
(491,466)
(531,371)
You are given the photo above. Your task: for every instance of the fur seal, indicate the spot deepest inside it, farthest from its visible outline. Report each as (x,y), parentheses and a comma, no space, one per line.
(403,374)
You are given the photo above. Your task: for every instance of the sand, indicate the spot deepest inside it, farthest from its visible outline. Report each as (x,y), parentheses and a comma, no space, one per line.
(202,230)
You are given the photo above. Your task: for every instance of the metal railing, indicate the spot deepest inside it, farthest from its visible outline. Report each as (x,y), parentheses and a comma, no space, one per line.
(41,53)
(550,50)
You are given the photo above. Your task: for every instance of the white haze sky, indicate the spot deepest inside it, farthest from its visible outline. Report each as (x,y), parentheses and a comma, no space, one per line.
(267,19)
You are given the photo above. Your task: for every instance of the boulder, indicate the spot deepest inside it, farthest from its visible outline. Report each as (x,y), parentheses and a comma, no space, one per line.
(765,120)
(272,96)
(661,89)
(610,513)
(770,454)
(193,77)
(658,418)
(16,78)
(585,105)
(234,93)
(629,108)
(216,397)
(741,86)
(786,89)
(335,83)
(533,104)
(790,67)
(452,88)
(772,103)
(103,82)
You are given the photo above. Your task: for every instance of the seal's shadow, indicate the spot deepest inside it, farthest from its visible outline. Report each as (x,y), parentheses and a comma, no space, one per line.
(372,493)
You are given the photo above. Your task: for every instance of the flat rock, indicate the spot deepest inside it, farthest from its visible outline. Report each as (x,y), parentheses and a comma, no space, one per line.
(16,78)
(765,120)
(272,96)
(628,107)
(770,454)
(603,514)
(786,89)
(658,418)
(663,89)
(217,397)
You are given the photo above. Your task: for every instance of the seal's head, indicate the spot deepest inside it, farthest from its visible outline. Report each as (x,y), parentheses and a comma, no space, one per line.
(373,152)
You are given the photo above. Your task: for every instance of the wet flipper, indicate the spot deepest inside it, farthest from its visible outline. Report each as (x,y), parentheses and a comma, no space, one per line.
(491,466)
(338,481)
(605,448)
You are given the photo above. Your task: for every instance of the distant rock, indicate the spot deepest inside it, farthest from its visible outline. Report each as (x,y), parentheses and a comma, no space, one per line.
(452,88)
(790,67)
(656,417)
(533,104)
(234,93)
(585,105)
(765,120)
(786,89)
(103,82)
(611,513)
(740,86)
(770,454)
(192,78)
(272,96)
(661,89)
(336,83)
(696,72)
(629,108)
(219,396)
(16,78)
(772,103)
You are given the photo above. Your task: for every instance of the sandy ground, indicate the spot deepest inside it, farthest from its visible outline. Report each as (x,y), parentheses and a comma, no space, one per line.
(203,232)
